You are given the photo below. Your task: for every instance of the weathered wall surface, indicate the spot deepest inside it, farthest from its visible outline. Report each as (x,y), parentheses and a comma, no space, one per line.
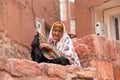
(12,49)
(104,54)
(15,69)
(18,17)
(17,20)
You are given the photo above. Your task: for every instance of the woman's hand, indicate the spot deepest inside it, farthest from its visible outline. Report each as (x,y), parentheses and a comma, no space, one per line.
(48,46)
(71,61)
(45,45)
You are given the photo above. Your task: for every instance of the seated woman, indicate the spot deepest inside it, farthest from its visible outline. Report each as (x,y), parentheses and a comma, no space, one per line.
(59,47)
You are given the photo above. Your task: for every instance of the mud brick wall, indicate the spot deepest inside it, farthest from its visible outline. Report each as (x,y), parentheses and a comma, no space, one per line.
(12,49)
(102,53)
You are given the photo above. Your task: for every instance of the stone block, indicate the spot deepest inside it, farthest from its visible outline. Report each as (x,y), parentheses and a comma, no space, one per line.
(117,72)
(111,49)
(105,69)
(96,45)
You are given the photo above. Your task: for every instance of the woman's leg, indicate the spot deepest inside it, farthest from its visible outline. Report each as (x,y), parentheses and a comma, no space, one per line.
(60,60)
(39,58)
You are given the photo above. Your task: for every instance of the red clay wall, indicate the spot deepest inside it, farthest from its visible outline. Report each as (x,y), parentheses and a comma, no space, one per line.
(102,53)
(17,17)
(83,16)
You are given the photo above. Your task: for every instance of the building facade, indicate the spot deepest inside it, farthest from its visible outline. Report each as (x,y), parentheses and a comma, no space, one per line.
(67,16)
(101,17)
(20,18)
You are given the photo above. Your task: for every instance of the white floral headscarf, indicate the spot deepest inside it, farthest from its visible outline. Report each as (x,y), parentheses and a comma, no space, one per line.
(64,46)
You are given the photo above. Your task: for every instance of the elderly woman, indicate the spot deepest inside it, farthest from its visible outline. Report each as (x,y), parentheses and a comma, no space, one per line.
(61,45)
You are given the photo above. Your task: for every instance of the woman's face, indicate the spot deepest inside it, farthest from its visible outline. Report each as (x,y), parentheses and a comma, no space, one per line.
(57,32)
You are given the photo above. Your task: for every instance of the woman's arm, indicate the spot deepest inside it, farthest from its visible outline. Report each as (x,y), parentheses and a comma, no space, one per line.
(47,45)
